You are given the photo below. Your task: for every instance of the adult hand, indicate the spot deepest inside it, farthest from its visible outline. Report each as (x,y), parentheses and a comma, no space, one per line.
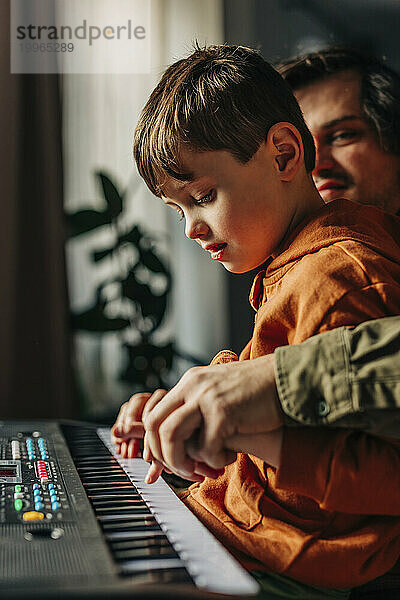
(213,412)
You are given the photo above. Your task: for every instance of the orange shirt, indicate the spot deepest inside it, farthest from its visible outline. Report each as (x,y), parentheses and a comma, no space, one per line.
(330,515)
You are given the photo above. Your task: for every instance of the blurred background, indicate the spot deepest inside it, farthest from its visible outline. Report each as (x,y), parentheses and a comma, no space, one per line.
(101,293)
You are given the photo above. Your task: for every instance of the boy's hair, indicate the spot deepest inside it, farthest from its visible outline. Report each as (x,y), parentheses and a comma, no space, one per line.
(219,98)
(380,86)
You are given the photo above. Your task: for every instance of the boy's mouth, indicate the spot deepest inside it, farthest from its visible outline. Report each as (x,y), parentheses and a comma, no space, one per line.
(216,250)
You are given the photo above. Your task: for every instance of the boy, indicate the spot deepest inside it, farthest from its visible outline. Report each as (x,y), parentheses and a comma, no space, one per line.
(223,142)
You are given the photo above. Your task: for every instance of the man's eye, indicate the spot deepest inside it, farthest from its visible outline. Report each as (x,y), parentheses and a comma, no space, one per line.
(343,137)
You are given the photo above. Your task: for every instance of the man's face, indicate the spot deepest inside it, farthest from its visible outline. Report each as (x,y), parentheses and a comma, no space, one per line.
(233,210)
(349,162)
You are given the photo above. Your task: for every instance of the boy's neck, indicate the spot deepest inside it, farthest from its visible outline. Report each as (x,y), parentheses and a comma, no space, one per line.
(308,201)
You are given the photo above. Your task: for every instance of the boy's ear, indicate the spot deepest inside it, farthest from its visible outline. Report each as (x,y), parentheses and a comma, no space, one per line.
(286,145)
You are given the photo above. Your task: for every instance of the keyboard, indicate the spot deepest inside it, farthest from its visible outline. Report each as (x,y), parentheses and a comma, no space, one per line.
(78,521)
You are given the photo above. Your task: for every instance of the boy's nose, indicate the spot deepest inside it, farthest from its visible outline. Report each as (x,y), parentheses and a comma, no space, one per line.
(195,228)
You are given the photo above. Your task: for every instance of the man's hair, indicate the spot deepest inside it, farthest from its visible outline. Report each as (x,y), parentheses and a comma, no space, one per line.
(380,86)
(219,98)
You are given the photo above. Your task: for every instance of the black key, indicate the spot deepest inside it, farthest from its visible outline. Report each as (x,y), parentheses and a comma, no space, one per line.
(96,460)
(158,576)
(131,536)
(106,485)
(116,477)
(108,510)
(132,516)
(114,495)
(102,469)
(118,502)
(143,525)
(139,553)
(146,564)
(140,543)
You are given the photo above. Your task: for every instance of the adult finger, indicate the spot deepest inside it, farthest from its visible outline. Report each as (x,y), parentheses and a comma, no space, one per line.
(154,472)
(178,427)
(151,422)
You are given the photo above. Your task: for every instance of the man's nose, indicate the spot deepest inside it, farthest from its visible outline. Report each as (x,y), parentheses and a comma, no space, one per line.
(195,227)
(324,160)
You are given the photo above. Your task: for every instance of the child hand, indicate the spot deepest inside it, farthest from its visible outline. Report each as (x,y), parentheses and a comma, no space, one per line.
(127,432)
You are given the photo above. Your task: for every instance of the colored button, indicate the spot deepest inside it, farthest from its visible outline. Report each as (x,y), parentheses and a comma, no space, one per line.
(33,515)
(18,494)
(17,488)
(35,486)
(55,505)
(54,498)
(18,504)
(39,506)
(51,486)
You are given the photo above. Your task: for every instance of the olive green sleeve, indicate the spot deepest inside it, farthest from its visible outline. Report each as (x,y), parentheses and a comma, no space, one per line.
(344,378)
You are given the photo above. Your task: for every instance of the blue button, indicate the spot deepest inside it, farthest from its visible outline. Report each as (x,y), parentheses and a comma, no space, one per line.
(36,486)
(37,493)
(55,505)
(39,506)
(54,498)
(51,486)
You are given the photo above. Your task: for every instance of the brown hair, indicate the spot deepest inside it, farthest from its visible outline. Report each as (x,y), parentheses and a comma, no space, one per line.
(219,98)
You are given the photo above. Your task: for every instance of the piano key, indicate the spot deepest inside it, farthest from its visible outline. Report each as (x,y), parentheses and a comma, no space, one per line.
(106,459)
(139,516)
(143,552)
(130,526)
(106,477)
(128,536)
(140,543)
(115,510)
(115,486)
(134,566)
(157,576)
(115,495)
(118,503)
(206,560)
(99,469)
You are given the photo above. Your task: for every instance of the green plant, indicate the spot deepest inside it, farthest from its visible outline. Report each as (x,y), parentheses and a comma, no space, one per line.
(133,301)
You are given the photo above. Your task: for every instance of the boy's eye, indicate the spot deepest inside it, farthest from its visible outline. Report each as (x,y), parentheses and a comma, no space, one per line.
(205,199)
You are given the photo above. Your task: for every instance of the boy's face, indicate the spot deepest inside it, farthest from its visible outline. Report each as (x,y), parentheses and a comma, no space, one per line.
(233,210)
(349,161)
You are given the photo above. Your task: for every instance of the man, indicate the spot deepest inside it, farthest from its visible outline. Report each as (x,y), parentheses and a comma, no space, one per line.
(342,378)
(351,104)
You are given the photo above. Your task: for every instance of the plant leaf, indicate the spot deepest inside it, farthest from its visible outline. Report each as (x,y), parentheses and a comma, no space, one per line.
(147,364)
(94,319)
(98,255)
(112,196)
(86,220)
(133,236)
(152,262)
